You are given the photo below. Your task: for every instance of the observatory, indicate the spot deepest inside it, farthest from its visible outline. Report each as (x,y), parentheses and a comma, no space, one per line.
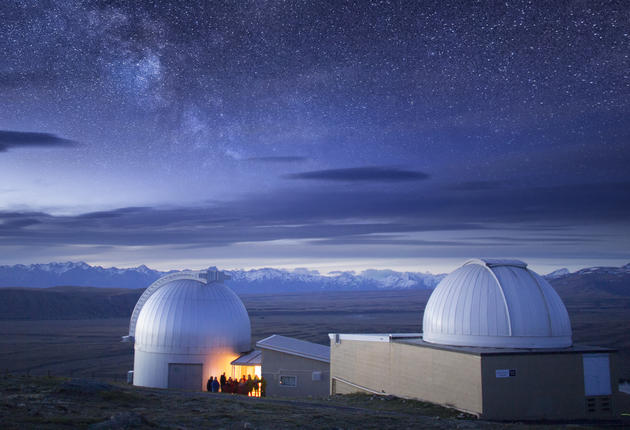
(496,303)
(497,343)
(186,327)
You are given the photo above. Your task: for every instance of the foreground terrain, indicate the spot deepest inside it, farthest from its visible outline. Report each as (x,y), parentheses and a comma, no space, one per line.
(51,403)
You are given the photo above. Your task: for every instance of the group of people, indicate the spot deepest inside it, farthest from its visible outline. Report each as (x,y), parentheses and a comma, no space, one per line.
(253,387)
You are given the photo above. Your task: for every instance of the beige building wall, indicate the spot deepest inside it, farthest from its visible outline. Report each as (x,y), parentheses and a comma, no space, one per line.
(438,376)
(542,386)
(549,386)
(276,364)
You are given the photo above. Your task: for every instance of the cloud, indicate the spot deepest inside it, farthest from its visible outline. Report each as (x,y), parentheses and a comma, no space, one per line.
(361,174)
(553,216)
(279,159)
(23,139)
(385,239)
(113,213)
(18,223)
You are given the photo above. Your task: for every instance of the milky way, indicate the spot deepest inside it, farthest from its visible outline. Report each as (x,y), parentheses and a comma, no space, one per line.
(321,133)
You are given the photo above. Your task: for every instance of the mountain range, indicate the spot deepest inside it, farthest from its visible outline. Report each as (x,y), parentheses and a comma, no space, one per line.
(609,280)
(612,280)
(264,280)
(33,291)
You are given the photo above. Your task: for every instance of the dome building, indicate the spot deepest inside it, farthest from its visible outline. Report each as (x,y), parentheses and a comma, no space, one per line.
(496,303)
(186,327)
(497,343)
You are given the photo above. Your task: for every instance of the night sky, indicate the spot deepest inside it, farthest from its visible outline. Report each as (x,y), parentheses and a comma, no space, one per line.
(324,134)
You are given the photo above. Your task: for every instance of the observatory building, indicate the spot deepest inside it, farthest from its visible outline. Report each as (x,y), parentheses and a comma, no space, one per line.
(186,327)
(497,343)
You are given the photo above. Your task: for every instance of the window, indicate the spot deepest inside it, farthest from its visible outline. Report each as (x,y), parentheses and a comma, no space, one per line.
(288,381)
(317,375)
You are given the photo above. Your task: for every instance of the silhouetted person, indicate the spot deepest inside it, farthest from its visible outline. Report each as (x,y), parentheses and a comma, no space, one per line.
(223,381)
(250,385)
(263,387)
(242,386)
(256,385)
(215,385)
(229,385)
(209,384)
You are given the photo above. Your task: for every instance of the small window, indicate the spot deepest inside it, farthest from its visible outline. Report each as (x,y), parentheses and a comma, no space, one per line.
(317,375)
(288,381)
(337,338)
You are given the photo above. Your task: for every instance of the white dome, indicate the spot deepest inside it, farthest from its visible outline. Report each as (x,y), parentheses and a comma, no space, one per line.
(187,316)
(496,303)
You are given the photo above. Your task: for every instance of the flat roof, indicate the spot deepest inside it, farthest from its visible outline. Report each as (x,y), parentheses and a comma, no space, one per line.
(415,339)
(301,348)
(253,358)
(373,337)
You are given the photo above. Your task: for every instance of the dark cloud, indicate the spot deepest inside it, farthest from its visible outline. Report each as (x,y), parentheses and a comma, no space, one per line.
(539,215)
(113,213)
(361,174)
(383,239)
(538,239)
(16,139)
(279,159)
(18,222)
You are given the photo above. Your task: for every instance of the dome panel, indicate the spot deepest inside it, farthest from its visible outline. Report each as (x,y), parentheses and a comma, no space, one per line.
(528,308)
(496,303)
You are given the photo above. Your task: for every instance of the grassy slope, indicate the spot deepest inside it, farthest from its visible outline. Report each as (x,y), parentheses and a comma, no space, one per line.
(54,403)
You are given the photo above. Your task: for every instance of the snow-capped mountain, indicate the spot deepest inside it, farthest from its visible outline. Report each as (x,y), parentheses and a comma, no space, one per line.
(623,270)
(255,281)
(557,274)
(275,280)
(597,270)
(267,280)
(76,274)
(592,282)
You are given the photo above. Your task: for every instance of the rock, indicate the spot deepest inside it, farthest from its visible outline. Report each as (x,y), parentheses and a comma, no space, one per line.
(122,420)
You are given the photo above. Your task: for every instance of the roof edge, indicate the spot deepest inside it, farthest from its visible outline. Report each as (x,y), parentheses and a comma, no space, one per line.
(292,352)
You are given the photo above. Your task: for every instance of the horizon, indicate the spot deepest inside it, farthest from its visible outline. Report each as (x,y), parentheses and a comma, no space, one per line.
(327,136)
(316,270)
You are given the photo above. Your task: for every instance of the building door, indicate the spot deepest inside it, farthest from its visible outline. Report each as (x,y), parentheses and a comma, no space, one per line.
(596,374)
(185,376)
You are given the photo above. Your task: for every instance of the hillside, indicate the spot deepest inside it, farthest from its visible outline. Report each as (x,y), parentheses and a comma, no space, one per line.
(594,282)
(56,403)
